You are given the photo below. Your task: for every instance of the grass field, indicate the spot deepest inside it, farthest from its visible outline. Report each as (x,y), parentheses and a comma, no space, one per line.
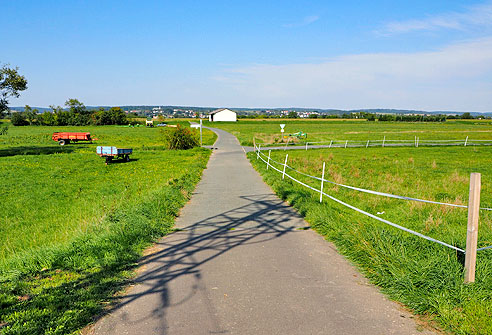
(426,277)
(268,131)
(72,227)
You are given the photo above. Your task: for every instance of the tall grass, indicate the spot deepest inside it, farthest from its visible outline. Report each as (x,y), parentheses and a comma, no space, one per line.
(426,277)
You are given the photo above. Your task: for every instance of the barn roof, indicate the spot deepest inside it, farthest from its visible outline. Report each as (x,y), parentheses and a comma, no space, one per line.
(220,110)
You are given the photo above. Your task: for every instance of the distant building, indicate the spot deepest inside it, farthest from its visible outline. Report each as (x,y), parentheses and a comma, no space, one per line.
(223,114)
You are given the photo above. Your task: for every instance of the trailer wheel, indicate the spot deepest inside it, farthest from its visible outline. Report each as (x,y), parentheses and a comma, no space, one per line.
(127,158)
(61,142)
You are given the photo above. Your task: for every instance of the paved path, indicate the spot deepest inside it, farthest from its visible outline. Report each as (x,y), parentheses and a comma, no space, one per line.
(241,265)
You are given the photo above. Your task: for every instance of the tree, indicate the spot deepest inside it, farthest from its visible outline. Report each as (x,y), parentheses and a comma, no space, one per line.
(18,119)
(75,106)
(30,114)
(79,115)
(118,116)
(292,115)
(47,119)
(11,83)
(115,115)
(61,117)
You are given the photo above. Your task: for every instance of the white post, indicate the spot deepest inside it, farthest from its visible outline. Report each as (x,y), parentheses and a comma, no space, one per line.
(466,141)
(367,144)
(201,142)
(330,143)
(415,141)
(268,162)
(306,145)
(254,144)
(346,143)
(322,180)
(258,152)
(285,165)
(384,139)
(418,138)
(472,228)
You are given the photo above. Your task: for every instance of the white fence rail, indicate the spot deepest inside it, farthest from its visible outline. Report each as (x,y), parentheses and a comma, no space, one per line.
(384,142)
(268,160)
(401,197)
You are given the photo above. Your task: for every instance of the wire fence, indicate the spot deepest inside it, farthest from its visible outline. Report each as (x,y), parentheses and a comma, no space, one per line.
(416,142)
(268,160)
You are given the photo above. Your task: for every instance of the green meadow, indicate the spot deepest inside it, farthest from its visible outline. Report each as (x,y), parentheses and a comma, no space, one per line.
(73,228)
(268,131)
(424,276)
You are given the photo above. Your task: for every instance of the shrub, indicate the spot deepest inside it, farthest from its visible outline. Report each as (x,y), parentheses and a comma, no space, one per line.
(19,119)
(180,138)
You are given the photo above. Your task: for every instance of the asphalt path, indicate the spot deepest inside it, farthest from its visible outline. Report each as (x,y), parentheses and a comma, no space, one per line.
(243,262)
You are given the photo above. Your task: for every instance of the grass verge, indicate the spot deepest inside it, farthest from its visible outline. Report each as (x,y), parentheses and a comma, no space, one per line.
(73,228)
(76,281)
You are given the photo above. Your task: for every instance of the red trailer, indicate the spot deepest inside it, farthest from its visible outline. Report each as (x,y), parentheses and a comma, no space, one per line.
(65,138)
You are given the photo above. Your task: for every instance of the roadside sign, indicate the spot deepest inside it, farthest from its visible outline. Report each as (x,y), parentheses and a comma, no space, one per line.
(282,126)
(195,126)
(282,130)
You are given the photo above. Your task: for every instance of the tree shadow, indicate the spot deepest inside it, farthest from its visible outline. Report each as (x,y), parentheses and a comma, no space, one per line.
(34,150)
(187,248)
(120,160)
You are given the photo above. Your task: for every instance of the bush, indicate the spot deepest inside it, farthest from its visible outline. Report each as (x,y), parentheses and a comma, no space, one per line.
(180,138)
(134,123)
(19,119)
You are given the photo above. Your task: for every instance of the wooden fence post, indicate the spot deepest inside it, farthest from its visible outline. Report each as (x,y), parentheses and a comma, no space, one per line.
(322,180)
(268,162)
(330,143)
(254,144)
(472,228)
(367,144)
(306,145)
(466,141)
(384,139)
(346,143)
(285,165)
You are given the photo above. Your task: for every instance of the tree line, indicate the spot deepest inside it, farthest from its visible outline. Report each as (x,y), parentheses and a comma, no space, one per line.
(367,116)
(76,114)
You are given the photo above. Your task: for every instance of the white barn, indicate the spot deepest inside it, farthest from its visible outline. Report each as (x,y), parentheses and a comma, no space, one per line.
(223,114)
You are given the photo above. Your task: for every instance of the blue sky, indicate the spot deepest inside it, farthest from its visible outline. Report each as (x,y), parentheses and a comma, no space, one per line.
(430,55)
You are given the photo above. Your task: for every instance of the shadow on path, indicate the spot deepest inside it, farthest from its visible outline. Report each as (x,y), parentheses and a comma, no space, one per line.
(183,252)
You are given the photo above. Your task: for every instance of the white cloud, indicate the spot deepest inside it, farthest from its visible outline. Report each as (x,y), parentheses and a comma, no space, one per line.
(473,17)
(304,22)
(457,77)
